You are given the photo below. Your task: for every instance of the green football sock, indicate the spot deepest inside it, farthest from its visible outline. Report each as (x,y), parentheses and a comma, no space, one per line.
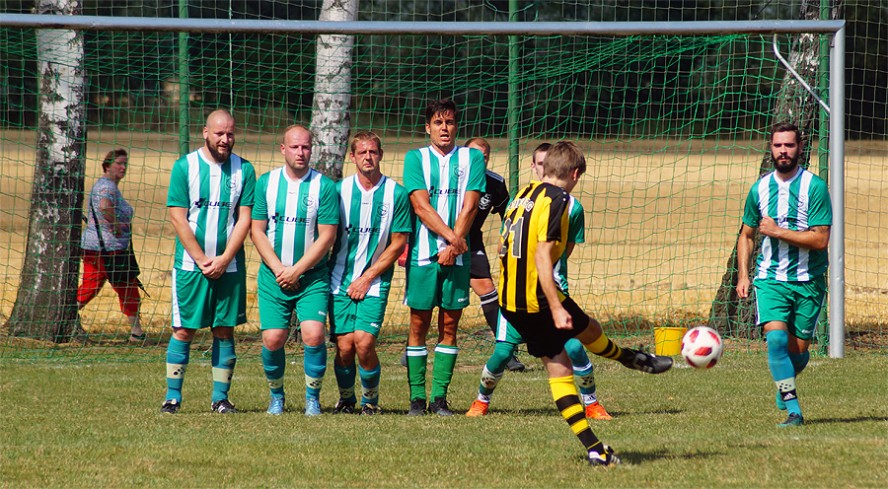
(442,372)
(417,357)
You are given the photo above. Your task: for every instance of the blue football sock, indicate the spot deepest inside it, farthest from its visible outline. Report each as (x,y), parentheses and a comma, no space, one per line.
(176,362)
(315,363)
(782,370)
(223,362)
(582,367)
(274,363)
(345,379)
(370,384)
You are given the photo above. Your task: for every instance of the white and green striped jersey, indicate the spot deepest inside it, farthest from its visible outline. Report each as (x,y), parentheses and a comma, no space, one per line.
(447,179)
(576,233)
(212,194)
(798,204)
(367,220)
(294,208)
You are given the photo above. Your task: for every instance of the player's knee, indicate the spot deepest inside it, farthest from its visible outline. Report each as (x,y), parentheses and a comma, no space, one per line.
(274,339)
(183,334)
(312,332)
(777,339)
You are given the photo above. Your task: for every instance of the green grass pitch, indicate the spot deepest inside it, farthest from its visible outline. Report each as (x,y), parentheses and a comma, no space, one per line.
(80,424)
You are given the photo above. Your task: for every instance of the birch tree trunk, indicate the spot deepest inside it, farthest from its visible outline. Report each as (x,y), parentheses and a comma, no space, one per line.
(729,313)
(330,119)
(46,304)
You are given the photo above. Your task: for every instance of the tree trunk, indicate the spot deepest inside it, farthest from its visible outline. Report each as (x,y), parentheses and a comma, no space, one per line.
(729,314)
(46,304)
(330,119)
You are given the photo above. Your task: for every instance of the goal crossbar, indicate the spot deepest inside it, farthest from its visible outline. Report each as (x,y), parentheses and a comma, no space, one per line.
(108,23)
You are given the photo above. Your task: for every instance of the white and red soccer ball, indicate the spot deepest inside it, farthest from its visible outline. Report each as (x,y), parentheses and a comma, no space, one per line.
(701,347)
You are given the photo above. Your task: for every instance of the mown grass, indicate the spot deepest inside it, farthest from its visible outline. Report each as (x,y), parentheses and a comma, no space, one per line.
(81,424)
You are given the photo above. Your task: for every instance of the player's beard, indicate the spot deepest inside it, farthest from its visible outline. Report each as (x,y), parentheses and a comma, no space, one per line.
(784,166)
(215,153)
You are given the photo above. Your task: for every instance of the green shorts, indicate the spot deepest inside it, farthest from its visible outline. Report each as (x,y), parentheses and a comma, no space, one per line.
(276,305)
(506,333)
(199,302)
(348,315)
(797,304)
(433,285)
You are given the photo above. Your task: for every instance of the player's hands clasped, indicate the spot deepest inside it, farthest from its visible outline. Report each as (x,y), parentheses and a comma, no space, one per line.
(288,278)
(214,267)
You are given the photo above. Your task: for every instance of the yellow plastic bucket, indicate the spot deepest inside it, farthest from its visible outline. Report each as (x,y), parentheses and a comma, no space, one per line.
(667,341)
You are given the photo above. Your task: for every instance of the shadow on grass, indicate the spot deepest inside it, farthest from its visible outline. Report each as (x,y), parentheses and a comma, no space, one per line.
(858,419)
(534,412)
(636,458)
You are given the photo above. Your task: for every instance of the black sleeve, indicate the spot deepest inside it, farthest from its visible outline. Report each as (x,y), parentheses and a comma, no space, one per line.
(500,198)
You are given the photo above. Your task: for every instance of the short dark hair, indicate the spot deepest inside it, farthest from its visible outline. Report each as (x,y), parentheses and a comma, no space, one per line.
(786,126)
(439,106)
(542,148)
(111,156)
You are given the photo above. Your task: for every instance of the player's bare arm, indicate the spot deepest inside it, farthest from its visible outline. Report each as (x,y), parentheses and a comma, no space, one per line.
(218,265)
(423,209)
(289,276)
(745,244)
(357,290)
(545,270)
(264,247)
(464,220)
(179,218)
(814,238)
(447,257)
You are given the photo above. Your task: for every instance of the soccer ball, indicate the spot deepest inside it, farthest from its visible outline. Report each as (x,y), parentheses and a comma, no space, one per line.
(701,347)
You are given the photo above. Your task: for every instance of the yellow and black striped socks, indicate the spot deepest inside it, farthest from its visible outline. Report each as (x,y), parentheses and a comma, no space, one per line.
(604,347)
(564,392)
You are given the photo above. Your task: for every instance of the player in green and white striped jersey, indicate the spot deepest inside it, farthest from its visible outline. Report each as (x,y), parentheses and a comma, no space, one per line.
(791,208)
(209,199)
(375,222)
(294,226)
(445,182)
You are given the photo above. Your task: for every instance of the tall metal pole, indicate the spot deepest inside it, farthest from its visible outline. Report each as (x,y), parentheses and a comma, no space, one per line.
(184,85)
(837,196)
(512,110)
(822,331)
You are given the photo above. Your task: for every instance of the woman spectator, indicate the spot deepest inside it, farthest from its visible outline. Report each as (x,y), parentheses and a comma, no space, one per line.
(109,232)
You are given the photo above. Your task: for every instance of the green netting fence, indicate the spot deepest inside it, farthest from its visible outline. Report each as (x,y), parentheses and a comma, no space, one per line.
(673,128)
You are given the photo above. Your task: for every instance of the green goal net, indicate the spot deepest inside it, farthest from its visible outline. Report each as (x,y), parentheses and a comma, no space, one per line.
(673,128)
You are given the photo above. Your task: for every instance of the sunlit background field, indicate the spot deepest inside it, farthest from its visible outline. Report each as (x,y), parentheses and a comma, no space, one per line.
(661,221)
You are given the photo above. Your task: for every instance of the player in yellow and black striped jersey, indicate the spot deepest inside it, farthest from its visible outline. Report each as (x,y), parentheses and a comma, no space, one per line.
(533,237)
(537,214)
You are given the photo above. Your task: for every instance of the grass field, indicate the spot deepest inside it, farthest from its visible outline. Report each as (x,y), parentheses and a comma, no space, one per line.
(83,425)
(661,217)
